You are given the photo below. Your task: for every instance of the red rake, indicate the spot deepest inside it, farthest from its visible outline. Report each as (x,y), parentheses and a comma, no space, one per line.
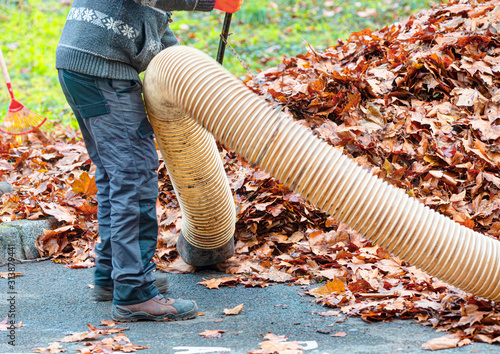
(19,119)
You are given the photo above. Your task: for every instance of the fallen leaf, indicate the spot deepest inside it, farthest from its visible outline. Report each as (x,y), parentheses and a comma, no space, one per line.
(107,323)
(7,275)
(51,349)
(234,311)
(471,98)
(274,337)
(335,286)
(339,334)
(6,324)
(282,347)
(214,283)
(81,336)
(444,342)
(59,212)
(85,185)
(215,333)
(179,266)
(329,313)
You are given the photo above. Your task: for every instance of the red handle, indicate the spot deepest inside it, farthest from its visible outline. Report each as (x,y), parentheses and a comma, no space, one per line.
(9,87)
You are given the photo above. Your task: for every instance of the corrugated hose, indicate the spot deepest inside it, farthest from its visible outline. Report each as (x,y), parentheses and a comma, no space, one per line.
(191,99)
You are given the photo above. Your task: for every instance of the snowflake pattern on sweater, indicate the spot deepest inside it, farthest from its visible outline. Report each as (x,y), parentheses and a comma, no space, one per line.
(102,20)
(154,46)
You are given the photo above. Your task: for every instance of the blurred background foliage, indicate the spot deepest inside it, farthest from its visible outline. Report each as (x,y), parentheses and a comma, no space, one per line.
(261,34)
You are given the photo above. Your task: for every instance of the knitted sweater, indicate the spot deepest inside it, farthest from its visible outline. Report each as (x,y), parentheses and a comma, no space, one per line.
(117,39)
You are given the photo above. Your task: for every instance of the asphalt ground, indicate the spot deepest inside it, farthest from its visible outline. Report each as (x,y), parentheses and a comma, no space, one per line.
(53,301)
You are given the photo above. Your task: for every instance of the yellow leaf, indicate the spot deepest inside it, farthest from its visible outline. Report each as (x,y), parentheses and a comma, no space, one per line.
(431,160)
(85,185)
(335,286)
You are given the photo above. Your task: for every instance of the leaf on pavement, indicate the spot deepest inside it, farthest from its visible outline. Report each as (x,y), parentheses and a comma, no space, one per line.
(107,323)
(339,334)
(88,263)
(282,347)
(329,313)
(215,333)
(53,348)
(214,283)
(234,311)
(81,336)
(444,342)
(274,337)
(117,343)
(6,275)
(335,286)
(179,266)
(5,325)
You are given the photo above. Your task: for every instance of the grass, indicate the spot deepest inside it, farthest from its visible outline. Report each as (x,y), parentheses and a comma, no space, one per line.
(262,33)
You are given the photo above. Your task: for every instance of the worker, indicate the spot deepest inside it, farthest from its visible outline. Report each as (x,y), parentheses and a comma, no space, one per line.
(103,48)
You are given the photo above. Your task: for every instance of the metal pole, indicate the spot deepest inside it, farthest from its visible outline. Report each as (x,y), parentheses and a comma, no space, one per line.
(223,37)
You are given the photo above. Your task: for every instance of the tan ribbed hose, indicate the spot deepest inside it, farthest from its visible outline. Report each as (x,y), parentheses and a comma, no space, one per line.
(182,79)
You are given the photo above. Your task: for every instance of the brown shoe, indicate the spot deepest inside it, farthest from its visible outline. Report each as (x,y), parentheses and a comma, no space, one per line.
(157,308)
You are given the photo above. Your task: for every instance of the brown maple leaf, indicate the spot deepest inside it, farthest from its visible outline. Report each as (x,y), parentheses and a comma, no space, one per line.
(214,283)
(335,286)
(85,185)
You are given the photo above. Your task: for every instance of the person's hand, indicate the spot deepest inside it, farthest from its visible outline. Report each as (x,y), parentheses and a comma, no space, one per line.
(230,6)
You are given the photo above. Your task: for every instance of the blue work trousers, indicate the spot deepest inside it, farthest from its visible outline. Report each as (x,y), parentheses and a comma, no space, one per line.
(120,142)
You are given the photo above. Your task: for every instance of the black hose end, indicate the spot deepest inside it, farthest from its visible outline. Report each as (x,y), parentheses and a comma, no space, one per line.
(199,257)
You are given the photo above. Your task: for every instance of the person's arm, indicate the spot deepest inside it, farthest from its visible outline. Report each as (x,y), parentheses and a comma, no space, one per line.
(230,6)
(179,5)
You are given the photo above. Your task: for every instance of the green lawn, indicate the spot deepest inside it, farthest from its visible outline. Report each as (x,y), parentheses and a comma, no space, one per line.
(263,32)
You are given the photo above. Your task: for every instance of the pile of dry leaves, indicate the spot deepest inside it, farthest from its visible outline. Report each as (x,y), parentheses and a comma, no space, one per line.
(52,177)
(417,102)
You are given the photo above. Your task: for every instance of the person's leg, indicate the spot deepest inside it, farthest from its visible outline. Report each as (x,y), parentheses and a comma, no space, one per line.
(126,147)
(120,142)
(102,273)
